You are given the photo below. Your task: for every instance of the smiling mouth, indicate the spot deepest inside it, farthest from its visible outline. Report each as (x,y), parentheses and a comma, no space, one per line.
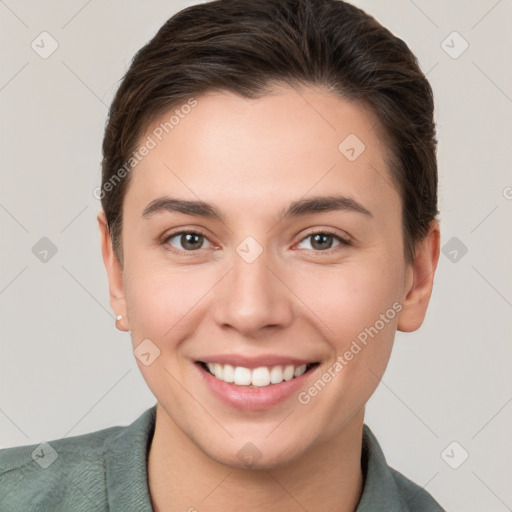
(262,376)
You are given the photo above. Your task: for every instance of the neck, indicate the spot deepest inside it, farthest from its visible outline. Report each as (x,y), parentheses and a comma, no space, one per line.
(182,477)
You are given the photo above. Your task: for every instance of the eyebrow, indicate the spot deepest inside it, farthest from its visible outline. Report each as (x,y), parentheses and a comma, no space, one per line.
(298,208)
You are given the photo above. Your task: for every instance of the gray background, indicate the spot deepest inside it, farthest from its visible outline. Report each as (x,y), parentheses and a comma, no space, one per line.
(64,368)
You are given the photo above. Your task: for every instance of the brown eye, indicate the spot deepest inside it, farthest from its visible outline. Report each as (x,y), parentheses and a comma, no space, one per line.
(322,241)
(187,241)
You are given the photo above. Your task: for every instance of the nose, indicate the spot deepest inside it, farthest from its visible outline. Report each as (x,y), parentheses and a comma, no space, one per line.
(253,298)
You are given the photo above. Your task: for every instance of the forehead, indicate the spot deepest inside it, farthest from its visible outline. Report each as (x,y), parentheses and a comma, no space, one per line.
(281,146)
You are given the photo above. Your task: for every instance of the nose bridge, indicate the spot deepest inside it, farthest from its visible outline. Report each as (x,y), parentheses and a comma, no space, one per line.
(252,297)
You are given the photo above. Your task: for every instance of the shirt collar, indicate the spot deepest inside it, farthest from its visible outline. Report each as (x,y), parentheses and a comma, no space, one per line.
(380,489)
(125,456)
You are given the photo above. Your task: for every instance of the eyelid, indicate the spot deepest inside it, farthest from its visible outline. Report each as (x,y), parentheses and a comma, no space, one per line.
(184,231)
(344,240)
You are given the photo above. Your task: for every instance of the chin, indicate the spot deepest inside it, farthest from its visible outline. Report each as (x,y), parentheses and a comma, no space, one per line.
(255,455)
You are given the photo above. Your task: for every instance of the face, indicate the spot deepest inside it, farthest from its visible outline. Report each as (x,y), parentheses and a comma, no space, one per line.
(262,243)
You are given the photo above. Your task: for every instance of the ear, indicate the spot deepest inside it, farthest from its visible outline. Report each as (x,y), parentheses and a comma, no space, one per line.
(114,272)
(420,280)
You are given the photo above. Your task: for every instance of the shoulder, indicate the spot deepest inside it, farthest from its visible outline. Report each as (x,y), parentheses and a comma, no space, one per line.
(416,497)
(46,475)
(80,473)
(386,488)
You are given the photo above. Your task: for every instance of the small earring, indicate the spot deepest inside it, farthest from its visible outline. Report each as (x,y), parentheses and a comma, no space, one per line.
(120,327)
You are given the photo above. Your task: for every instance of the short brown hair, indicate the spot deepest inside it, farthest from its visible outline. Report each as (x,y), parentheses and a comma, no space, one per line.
(246,47)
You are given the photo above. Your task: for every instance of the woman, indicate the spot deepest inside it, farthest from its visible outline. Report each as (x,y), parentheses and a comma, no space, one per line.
(269,197)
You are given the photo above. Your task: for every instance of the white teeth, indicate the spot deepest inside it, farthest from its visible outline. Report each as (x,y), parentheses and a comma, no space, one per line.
(288,372)
(276,375)
(299,370)
(229,373)
(258,377)
(217,370)
(242,376)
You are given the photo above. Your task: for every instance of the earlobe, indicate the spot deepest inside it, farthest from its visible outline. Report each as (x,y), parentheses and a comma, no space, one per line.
(114,273)
(417,295)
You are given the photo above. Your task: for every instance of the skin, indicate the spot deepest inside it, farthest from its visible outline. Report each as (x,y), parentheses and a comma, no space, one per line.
(251,159)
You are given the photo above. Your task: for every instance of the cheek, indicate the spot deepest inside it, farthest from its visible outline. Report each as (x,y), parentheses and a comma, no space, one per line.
(165,305)
(162,301)
(349,299)
(360,309)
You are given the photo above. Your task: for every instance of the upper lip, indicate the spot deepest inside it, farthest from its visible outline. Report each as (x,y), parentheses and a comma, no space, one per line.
(254,361)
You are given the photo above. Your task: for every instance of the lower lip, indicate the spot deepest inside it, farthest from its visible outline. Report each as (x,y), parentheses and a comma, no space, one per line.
(253,399)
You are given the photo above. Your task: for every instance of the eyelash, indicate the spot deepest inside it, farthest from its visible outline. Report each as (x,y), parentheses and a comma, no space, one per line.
(342,241)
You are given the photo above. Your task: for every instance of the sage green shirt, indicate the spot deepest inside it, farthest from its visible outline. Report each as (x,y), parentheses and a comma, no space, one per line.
(107,470)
